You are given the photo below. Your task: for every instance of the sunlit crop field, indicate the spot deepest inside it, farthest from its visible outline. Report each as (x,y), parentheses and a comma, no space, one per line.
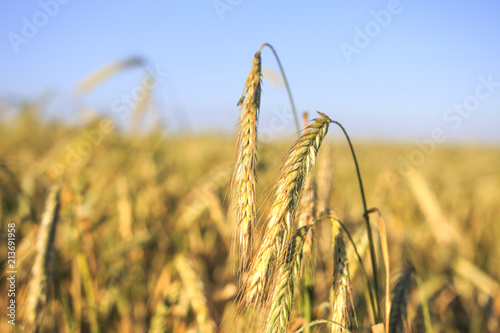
(121,232)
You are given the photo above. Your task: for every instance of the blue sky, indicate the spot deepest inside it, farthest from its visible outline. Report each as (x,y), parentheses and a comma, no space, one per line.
(409,68)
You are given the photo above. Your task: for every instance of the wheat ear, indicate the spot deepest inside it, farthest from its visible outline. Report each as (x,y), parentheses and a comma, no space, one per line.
(193,287)
(307,216)
(37,289)
(343,305)
(287,278)
(244,178)
(400,300)
(294,171)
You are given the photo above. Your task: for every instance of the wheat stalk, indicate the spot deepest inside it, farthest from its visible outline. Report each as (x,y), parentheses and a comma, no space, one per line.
(400,300)
(342,301)
(294,171)
(287,278)
(367,221)
(244,178)
(287,86)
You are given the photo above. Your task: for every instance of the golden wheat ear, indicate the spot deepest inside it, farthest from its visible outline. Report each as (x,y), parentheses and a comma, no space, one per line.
(36,302)
(296,167)
(286,281)
(106,72)
(342,300)
(307,215)
(244,178)
(194,291)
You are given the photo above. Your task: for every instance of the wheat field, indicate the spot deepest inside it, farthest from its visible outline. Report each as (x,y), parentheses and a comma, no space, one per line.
(126,231)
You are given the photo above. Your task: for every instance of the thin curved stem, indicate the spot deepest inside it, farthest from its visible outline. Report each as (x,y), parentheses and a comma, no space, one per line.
(294,110)
(365,215)
(357,166)
(385,255)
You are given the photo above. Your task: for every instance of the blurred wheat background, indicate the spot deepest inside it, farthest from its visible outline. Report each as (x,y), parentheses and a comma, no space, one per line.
(141,237)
